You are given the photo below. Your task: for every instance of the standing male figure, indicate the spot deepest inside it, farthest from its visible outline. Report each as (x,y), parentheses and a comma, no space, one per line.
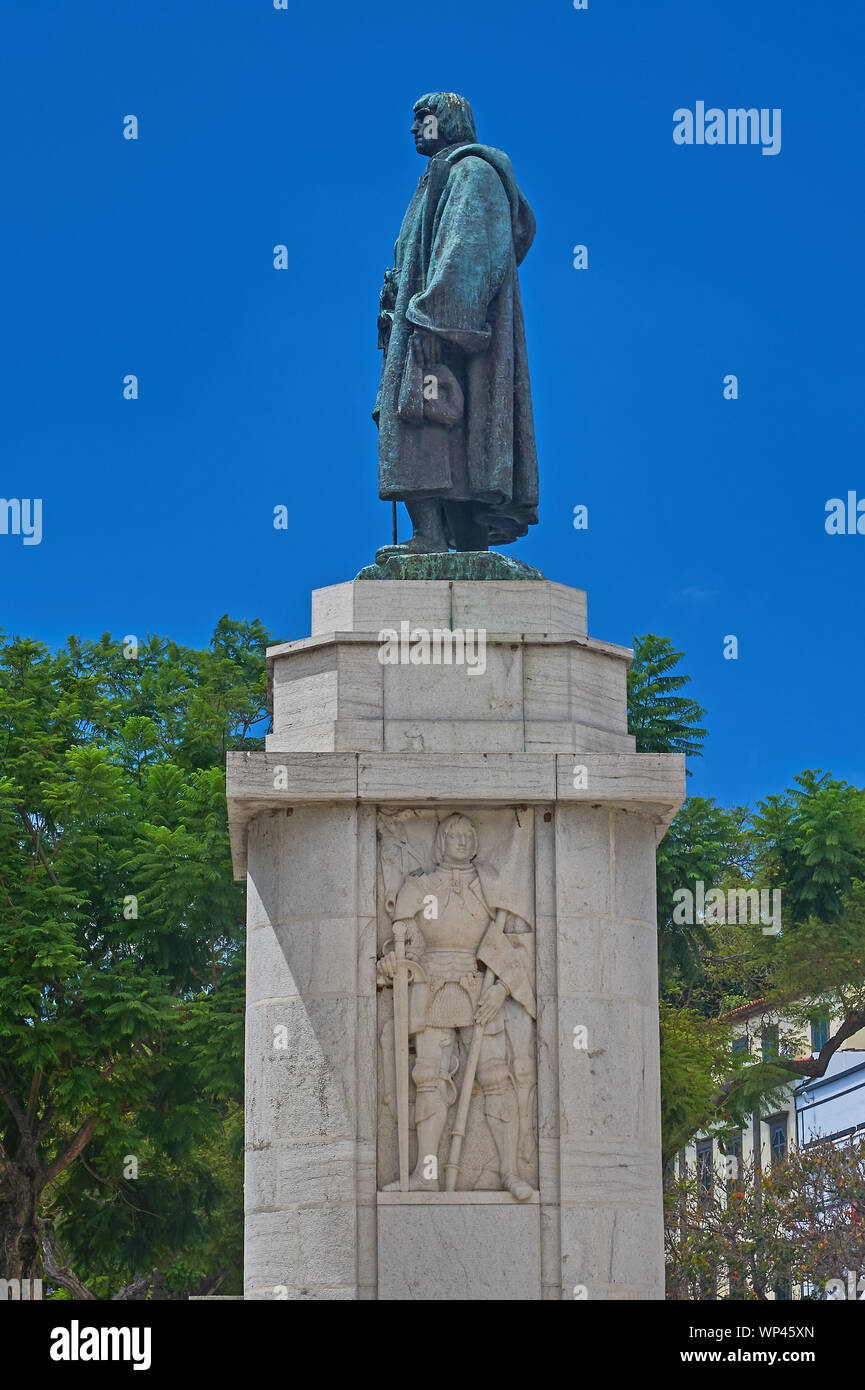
(454,411)
(452,932)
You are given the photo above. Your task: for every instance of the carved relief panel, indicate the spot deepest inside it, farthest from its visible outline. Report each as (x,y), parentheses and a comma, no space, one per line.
(457,1047)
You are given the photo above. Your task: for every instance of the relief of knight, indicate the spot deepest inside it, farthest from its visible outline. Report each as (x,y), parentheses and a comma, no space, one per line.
(459,952)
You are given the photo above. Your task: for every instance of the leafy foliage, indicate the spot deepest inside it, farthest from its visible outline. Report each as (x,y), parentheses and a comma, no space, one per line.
(121,935)
(662,720)
(807,844)
(800,1225)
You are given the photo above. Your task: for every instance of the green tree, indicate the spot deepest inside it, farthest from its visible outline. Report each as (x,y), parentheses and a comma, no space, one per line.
(662,720)
(121,934)
(700,846)
(815,967)
(810,844)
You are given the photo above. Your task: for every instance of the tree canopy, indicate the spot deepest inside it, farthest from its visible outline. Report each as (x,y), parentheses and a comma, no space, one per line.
(121,943)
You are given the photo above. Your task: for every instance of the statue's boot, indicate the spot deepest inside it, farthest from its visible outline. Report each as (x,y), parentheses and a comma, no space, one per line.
(500,1108)
(416,1183)
(515,1185)
(429,532)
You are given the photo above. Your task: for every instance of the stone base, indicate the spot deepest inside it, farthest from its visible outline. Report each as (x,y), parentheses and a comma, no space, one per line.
(364,761)
(459,1251)
(456,564)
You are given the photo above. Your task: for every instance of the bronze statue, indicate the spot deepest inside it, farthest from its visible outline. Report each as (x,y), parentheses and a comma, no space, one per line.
(454,411)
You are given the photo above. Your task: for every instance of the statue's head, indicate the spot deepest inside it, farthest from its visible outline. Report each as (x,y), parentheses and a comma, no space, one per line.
(442,119)
(456,841)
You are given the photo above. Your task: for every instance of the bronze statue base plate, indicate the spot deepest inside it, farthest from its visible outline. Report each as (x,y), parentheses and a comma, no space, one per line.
(449,564)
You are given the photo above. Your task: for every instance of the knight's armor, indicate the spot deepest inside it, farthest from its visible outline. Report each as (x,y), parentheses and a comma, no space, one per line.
(452,932)
(445,945)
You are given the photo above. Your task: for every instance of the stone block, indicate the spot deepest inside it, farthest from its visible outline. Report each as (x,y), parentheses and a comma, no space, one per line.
(627,961)
(458,692)
(598,688)
(634,850)
(302,1090)
(288,1175)
(609,1248)
(264,865)
(270,1251)
(560,736)
(453,735)
(327,1244)
(606,1087)
(535,606)
(319,954)
(459,1252)
(319,849)
(583,862)
(370,605)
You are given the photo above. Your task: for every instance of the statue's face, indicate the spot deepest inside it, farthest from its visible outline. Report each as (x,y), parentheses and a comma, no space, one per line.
(425,132)
(459,842)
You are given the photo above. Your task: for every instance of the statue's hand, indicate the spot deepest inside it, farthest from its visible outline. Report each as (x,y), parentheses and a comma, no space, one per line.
(490,1003)
(386,967)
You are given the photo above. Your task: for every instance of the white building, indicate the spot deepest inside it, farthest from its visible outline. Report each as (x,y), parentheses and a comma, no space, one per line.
(828,1107)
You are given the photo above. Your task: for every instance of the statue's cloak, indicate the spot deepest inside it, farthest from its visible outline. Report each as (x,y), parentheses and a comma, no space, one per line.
(466,230)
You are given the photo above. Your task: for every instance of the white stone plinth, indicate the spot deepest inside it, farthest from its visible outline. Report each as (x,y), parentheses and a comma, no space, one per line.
(543,729)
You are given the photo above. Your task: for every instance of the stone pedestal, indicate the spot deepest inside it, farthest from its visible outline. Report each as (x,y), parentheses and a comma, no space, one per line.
(524,732)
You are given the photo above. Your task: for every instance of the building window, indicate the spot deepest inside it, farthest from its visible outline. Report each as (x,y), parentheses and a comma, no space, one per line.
(778,1139)
(733,1162)
(769,1042)
(819,1034)
(740,1044)
(705,1171)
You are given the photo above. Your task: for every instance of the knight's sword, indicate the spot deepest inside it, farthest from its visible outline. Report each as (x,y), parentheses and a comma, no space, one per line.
(400,1033)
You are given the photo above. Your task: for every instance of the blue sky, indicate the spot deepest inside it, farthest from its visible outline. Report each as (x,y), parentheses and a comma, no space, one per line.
(258,127)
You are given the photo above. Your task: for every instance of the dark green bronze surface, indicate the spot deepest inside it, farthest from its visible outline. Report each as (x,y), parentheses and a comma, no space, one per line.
(454,410)
(464,564)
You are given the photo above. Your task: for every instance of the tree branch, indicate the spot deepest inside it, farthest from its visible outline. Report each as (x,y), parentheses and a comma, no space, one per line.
(59,1164)
(56,1273)
(6,1165)
(40,853)
(44,1124)
(34,1093)
(816,1066)
(137,1291)
(15,1110)
(809,1066)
